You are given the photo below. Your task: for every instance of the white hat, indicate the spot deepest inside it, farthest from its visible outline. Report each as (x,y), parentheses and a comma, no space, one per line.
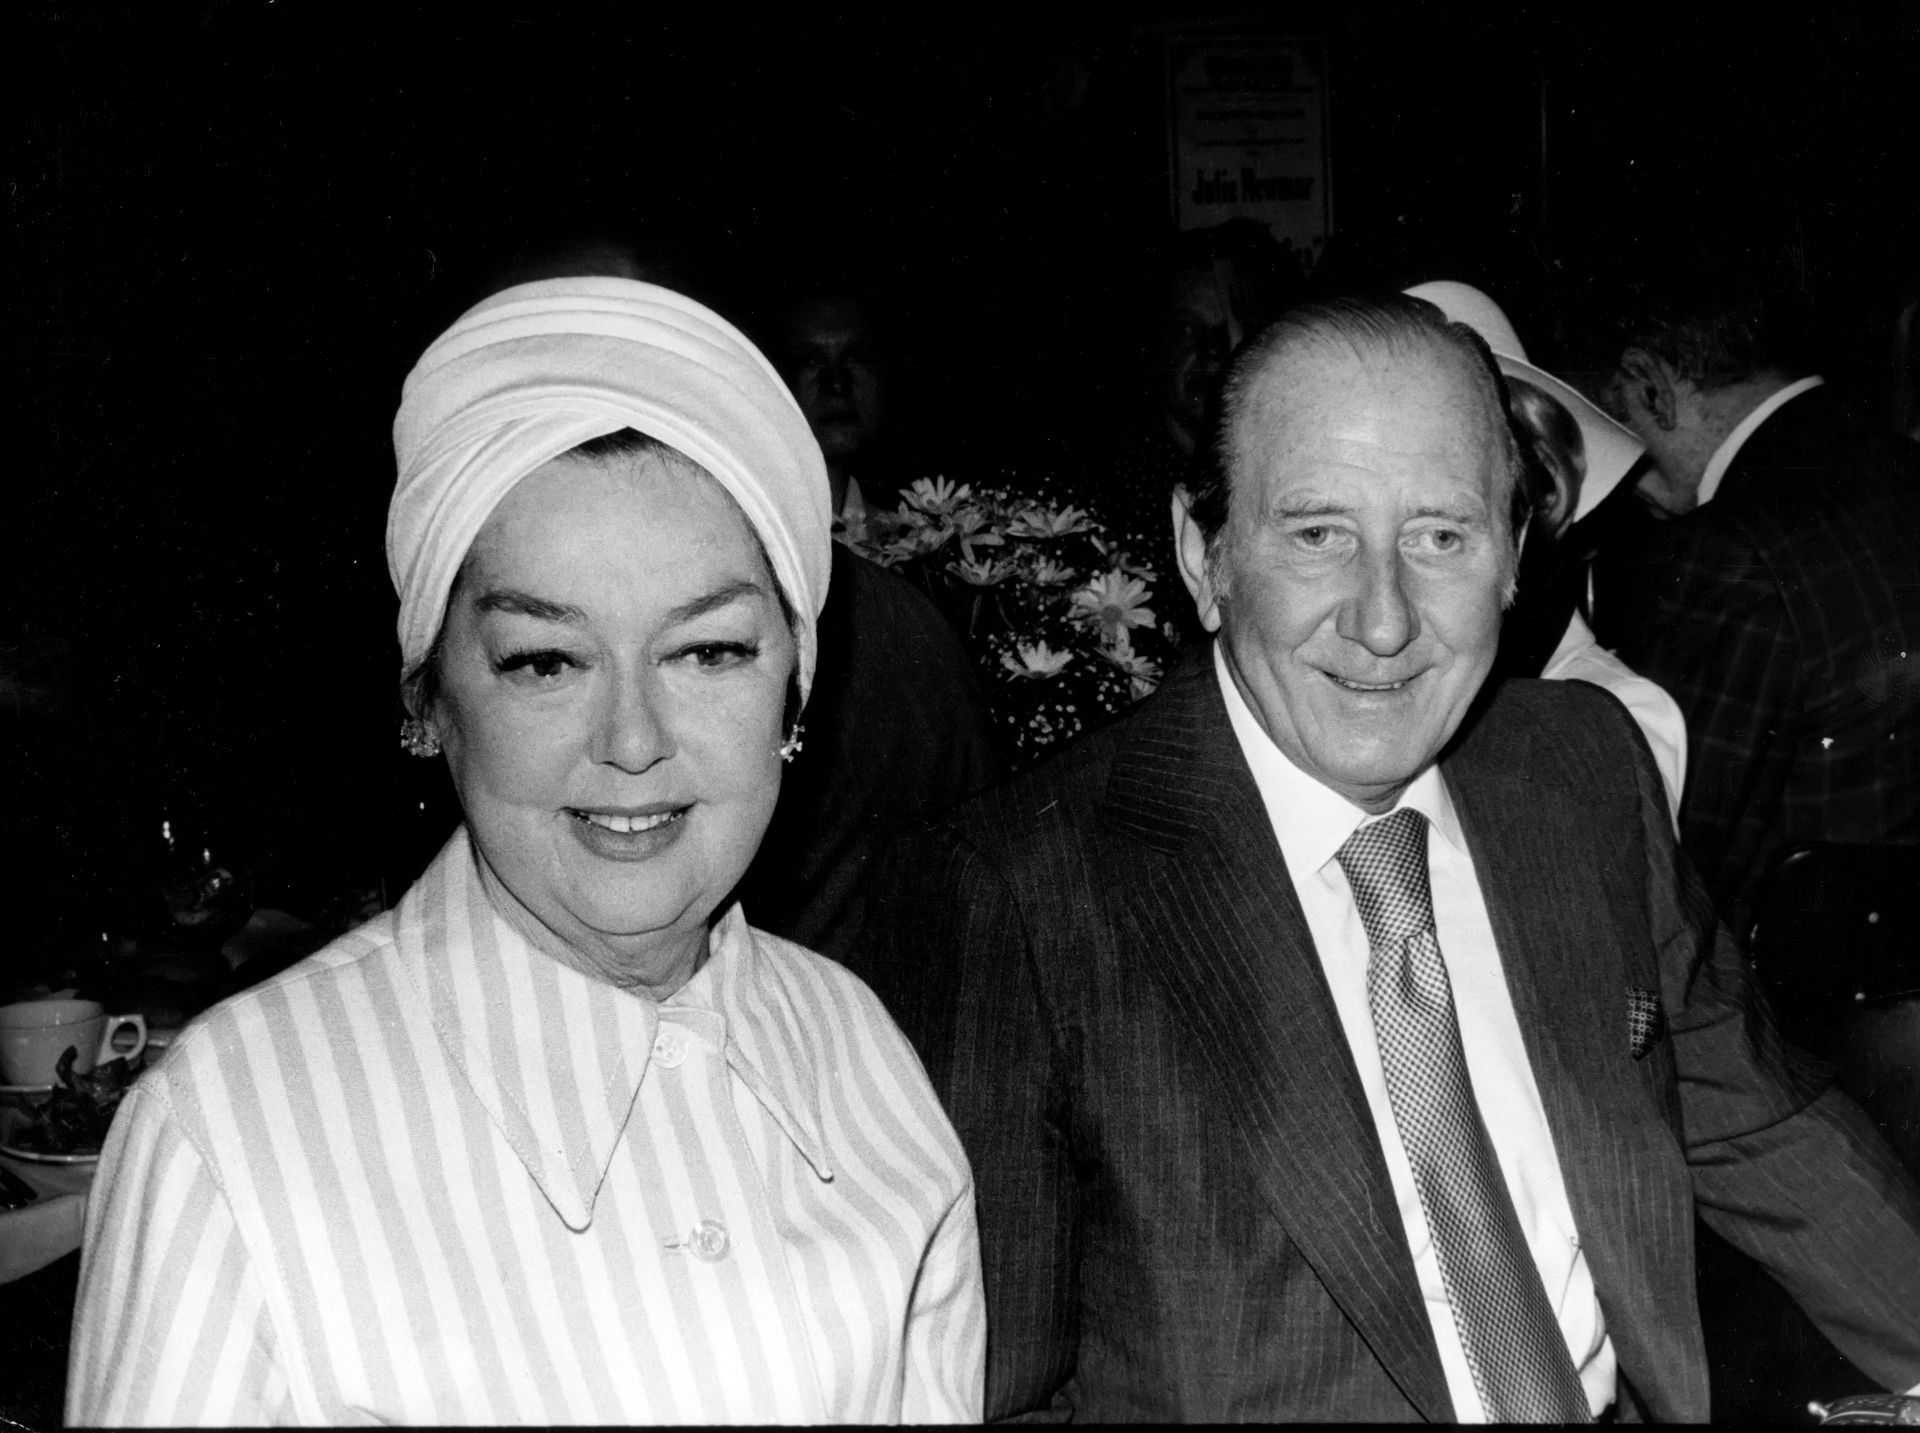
(1611,449)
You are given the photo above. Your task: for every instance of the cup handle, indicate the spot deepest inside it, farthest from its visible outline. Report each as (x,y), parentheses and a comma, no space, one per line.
(115,1024)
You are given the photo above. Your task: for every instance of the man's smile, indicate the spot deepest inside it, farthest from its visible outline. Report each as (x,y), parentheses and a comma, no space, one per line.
(1353,685)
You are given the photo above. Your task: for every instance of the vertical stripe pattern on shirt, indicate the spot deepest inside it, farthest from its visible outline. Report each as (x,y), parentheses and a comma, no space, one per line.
(432,1175)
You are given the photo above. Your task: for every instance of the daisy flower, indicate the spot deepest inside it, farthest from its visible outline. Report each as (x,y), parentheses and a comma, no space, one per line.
(1039,521)
(1034,659)
(1143,676)
(936,495)
(979,572)
(1114,602)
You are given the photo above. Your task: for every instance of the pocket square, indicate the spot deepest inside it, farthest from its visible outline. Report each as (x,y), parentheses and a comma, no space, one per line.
(1646,1021)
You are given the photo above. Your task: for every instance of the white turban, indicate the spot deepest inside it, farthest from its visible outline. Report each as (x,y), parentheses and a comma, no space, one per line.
(541,368)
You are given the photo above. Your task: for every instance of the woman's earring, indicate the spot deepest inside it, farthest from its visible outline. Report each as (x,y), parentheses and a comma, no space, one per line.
(418,739)
(790,748)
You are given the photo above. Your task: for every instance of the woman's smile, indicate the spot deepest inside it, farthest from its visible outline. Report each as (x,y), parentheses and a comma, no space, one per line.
(632,836)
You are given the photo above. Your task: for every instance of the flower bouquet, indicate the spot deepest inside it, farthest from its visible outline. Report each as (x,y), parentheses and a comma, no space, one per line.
(1053,611)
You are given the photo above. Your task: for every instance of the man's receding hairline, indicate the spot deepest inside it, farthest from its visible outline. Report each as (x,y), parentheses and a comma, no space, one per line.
(1262,394)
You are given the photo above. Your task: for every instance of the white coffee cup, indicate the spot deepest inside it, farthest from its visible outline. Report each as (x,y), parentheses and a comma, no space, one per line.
(34,1034)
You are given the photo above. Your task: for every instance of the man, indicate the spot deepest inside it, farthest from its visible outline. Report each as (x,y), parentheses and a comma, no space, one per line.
(1780,605)
(896,734)
(897,730)
(1333,1039)
(1212,290)
(830,354)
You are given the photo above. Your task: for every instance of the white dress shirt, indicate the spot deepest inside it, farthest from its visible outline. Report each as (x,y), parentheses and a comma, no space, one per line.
(850,523)
(1311,823)
(1724,455)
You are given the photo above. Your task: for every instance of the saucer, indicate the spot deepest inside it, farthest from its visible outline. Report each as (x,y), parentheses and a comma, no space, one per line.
(33,1156)
(11,1119)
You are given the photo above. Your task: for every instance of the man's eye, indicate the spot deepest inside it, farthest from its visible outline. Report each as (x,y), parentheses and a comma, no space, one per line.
(543,665)
(1313,536)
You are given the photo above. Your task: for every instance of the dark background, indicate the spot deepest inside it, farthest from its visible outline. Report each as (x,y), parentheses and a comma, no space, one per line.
(230,227)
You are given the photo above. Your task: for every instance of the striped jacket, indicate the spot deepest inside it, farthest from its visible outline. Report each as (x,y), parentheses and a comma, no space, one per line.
(432,1175)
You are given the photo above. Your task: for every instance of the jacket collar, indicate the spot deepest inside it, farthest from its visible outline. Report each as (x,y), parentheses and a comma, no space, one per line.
(1723,456)
(1569,952)
(556,1058)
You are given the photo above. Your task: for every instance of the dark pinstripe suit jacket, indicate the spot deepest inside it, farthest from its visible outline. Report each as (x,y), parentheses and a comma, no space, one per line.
(1185,1213)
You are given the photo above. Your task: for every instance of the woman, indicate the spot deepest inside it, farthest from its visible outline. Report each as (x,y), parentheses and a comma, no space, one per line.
(1579,455)
(560,1138)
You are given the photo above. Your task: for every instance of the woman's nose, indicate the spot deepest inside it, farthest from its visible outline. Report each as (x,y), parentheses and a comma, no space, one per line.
(1380,614)
(632,731)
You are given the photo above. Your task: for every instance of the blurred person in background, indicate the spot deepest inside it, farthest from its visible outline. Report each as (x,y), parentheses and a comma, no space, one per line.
(897,731)
(1212,290)
(835,357)
(1779,600)
(1776,595)
(562,1138)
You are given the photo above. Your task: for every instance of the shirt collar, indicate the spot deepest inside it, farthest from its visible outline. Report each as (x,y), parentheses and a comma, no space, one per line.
(1312,821)
(737,988)
(1724,455)
(850,523)
(555,1057)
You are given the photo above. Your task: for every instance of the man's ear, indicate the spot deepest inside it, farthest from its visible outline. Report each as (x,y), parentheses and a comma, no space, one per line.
(1191,546)
(1647,384)
(1513,577)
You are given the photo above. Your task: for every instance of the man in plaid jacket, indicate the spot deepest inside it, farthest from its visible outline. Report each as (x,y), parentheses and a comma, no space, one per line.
(1779,603)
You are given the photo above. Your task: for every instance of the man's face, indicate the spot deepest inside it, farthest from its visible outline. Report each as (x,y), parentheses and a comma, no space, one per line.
(1365,563)
(1199,346)
(833,366)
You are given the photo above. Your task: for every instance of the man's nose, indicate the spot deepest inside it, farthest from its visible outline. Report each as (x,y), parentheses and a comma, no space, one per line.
(1379,614)
(631,729)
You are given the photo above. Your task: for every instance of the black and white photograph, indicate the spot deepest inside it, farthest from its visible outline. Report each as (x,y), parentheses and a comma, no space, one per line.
(1177,711)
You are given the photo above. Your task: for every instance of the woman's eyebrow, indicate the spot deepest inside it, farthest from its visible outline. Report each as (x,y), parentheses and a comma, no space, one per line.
(525,604)
(719,597)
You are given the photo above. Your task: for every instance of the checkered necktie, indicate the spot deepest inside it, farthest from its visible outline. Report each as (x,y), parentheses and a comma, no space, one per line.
(1513,1341)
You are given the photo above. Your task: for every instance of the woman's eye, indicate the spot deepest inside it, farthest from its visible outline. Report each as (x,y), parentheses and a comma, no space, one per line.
(720,655)
(542,665)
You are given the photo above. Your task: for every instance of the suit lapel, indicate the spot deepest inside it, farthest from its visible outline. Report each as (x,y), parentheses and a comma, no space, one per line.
(1559,943)
(1232,950)
(1572,1015)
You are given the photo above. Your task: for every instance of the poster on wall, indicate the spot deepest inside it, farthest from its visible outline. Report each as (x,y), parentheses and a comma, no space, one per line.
(1248,135)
